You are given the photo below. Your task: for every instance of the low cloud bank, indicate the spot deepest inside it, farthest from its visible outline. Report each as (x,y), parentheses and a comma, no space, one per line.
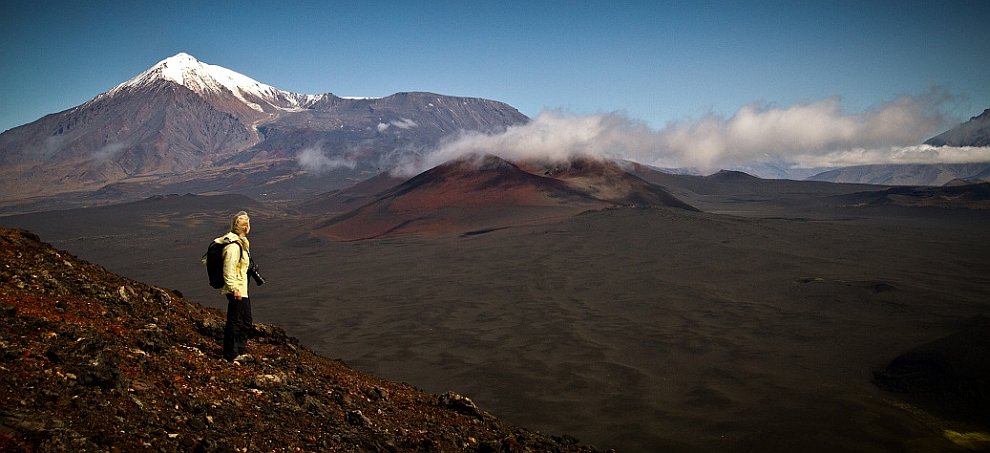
(313,159)
(917,154)
(402,123)
(108,151)
(807,135)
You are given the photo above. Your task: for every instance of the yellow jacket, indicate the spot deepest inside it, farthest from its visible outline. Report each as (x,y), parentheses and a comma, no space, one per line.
(235,267)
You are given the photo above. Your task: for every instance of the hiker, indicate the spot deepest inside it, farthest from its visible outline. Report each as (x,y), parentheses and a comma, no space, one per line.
(236,261)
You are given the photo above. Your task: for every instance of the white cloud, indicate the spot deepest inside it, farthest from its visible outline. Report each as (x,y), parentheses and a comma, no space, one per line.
(403,123)
(108,151)
(313,159)
(816,134)
(916,154)
(52,145)
(550,136)
(799,131)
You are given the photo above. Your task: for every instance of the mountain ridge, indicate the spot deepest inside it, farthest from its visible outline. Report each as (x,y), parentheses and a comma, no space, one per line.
(185,121)
(905,174)
(973,133)
(186,70)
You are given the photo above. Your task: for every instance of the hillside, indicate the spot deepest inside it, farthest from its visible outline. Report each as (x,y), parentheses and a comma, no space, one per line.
(972,133)
(975,132)
(96,362)
(481,194)
(905,174)
(958,195)
(188,126)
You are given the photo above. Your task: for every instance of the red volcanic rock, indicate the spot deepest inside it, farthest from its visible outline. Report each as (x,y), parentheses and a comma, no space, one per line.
(606,180)
(484,182)
(486,193)
(96,362)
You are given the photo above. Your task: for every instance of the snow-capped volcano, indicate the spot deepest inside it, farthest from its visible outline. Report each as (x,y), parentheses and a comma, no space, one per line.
(189,125)
(214,81)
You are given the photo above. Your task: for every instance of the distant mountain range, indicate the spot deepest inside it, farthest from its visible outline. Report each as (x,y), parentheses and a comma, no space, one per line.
(975,132)
(187,125)
(907,175)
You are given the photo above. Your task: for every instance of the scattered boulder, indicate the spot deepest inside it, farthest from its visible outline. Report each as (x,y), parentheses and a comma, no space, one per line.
(52,434)
(211,326)
(94,362)
(376,394)
(270,334)
(356,418)
(151,338)
(268,381)
(462,404)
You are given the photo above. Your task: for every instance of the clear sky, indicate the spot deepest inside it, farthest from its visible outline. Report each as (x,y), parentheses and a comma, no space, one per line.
(654,61)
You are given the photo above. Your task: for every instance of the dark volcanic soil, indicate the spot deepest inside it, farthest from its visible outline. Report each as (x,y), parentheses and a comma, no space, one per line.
(97,362)
(764,323)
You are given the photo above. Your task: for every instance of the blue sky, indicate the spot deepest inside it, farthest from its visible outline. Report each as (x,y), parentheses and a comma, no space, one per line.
(654,61)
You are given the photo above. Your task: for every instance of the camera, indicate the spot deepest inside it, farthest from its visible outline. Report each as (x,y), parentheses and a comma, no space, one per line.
(255,274)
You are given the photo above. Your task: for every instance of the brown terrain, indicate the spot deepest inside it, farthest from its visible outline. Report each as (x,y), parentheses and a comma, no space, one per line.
(631,308)
(639,311)
(485,193)
(96,362)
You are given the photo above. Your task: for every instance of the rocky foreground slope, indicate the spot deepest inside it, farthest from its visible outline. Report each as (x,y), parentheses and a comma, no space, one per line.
(96,362)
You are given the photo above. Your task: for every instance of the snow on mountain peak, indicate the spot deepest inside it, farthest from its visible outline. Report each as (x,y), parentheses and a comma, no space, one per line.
(207,79)
(173,68)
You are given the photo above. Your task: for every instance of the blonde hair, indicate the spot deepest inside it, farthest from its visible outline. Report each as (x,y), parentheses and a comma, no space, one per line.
(239,224)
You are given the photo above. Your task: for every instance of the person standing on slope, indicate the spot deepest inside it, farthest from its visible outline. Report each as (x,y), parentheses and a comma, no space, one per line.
(236,262)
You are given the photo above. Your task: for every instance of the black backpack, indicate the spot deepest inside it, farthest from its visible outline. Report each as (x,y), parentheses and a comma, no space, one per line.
(213,258)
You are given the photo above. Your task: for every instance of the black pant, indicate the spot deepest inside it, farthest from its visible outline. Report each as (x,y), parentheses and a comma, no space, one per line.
(238,328)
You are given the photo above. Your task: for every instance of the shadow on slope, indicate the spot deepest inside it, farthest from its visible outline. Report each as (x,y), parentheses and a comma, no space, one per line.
(966,196)
(135,218)
(950,375)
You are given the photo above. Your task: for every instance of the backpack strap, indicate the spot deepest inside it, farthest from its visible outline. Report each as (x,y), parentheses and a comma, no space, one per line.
(239,246)
(225,246)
